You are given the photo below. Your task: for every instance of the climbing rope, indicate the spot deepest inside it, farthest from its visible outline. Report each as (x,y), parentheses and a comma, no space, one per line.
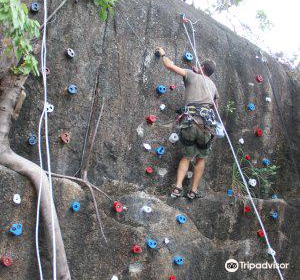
(193,46)
(39,197)
(44,116)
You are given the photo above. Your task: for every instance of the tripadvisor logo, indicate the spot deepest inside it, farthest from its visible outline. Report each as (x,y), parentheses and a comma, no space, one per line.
(232,265)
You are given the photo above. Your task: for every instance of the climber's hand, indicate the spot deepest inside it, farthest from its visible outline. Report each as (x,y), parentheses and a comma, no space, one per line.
(161,51)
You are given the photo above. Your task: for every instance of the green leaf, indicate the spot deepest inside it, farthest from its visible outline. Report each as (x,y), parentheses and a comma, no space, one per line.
(103,14)
(24,8)
(19,53)
(4,16)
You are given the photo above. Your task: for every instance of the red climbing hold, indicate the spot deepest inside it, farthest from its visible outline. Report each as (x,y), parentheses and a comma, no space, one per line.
(260,233)
(172,87)
(248,157)
(136,249)
(65,137)
(149,170)
(259,78)
(172,277)
(6,261)
(118,206)
(151,119)
(259,132)
(247,209)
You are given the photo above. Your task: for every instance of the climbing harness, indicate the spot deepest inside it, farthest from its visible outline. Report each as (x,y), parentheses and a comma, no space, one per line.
(197,110)
(187,118)
(193,46)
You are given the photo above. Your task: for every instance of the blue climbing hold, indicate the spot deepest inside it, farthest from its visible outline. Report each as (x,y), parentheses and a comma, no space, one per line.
(75,206)
(230,192)
(35,7)
(72,89)
(274,215)
(266,162)
(181,219)
(178,260)
(188,56)
(160,89)
(32,140)
(251,106)
(274,196)
(160,150)
(16,229)
(151,243)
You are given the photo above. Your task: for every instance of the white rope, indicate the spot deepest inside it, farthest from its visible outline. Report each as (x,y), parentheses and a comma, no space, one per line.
(207,88)
(39,198)
(45,114)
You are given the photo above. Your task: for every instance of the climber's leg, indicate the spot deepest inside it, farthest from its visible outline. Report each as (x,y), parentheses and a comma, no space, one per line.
(198,172)
(181,172)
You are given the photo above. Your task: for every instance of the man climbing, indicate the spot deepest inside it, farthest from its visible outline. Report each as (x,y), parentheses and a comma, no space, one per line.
(196,120)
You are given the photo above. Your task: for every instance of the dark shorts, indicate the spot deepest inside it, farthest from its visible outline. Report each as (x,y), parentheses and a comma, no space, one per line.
(194,134)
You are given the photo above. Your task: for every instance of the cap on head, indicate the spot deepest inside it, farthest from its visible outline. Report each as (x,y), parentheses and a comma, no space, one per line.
(208,67)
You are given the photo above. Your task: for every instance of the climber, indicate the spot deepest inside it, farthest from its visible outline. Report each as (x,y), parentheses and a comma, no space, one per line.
(196,131)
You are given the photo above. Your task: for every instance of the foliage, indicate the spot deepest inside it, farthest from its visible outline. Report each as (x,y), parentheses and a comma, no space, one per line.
(105,6)
(224,5)
(263,175)
(18,31)
(229,108)
(220,6)
(262,18)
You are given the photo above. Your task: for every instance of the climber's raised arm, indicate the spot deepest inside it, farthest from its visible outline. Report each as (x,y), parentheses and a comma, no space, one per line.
(168,63)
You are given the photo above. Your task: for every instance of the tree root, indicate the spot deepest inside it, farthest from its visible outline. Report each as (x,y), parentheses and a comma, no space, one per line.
(10,87)
(91,187)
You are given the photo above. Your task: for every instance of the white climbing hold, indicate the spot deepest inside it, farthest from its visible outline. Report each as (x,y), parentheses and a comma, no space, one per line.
(173,138)
(252,182)
(162,107)
(251,84)
(167,240)
(147,147)
(190,174)
(241,141)
(114,277)
(17,198)
(271,252)
(140,131)
(147,209)
(49,107)
(268,99)
(162,171)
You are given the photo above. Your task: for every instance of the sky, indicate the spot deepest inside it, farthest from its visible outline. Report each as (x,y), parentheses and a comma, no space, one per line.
(284,15)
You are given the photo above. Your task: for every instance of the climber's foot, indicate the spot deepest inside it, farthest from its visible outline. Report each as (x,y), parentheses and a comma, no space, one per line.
(192,195)
(177,192)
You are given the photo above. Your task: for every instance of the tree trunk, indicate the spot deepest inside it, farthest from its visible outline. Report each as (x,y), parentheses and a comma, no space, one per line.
(10,87)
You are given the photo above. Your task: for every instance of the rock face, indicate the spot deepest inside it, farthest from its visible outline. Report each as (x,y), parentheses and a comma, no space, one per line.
(114,64)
